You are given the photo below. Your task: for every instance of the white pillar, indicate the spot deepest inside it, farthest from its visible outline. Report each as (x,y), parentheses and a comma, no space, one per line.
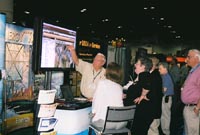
(6,6)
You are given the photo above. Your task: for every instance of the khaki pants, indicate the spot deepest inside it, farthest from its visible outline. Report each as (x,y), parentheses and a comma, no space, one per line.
(166,115)
(153,129)
(191,121)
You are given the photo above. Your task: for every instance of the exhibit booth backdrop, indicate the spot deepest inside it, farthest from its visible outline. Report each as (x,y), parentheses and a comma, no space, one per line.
(20,86)
(18,82)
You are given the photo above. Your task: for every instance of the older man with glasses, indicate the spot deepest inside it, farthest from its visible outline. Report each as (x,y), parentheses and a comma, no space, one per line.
(190,93)
(91,72)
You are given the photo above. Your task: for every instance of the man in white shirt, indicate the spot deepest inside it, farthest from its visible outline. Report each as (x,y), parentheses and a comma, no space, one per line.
(91,72)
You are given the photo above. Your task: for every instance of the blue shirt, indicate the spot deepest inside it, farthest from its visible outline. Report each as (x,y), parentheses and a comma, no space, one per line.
(168,83)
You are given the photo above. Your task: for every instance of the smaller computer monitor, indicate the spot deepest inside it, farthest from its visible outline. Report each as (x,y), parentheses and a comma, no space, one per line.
(67,92)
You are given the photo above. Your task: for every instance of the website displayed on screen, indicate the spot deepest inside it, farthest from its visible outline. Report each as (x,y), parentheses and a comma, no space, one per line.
(54,52)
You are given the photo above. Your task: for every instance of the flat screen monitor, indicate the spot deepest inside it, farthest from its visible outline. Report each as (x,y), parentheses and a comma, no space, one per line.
(52,47)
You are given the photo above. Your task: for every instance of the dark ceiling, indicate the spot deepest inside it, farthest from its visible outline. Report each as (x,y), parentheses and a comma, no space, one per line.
(136,22)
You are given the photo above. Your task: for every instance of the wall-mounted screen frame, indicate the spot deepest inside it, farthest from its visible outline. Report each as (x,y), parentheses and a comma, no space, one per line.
(51,46)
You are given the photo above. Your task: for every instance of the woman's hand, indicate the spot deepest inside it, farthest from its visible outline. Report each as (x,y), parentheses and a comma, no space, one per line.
(139,99)
(123,96)
(89,99)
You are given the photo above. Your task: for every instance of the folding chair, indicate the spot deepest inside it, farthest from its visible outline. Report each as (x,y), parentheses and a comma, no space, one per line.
(116,114)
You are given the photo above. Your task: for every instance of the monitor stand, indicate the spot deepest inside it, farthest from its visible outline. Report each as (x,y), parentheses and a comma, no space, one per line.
(66,88)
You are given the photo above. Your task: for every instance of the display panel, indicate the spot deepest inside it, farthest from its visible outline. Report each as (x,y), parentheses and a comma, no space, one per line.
(52,46)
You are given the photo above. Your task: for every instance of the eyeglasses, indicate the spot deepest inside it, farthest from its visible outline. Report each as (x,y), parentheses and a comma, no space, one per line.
(189,57)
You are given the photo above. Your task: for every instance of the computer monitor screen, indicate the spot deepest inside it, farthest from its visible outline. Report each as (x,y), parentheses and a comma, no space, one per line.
(52,42)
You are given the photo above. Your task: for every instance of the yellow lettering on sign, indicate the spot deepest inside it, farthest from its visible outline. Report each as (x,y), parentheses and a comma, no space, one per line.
(88,44)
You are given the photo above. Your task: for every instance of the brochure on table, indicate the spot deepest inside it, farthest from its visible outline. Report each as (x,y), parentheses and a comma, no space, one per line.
(46,112)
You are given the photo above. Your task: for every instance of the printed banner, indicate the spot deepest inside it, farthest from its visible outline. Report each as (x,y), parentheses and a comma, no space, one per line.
(19,78)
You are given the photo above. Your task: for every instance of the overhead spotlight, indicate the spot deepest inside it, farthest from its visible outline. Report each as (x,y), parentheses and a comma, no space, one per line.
(27,12)
(162,18)
(119,27)
(169,26)
(145,8)
(106,20)
(83,10)
(109,41)
(152,8)
(173,31)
